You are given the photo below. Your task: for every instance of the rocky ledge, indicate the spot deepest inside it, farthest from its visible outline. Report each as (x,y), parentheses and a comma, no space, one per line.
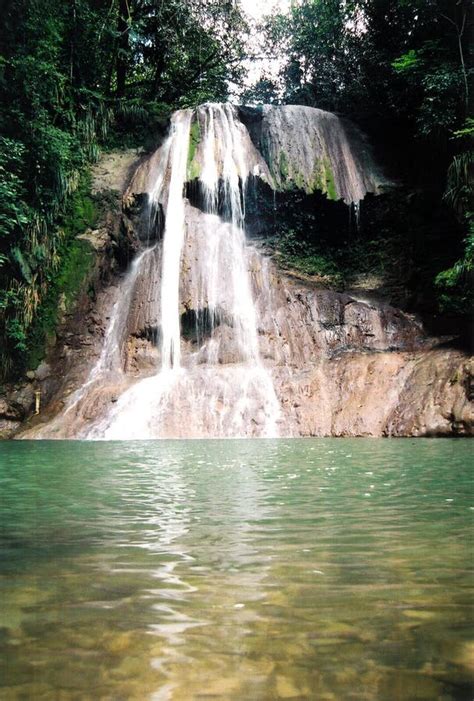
(346,367)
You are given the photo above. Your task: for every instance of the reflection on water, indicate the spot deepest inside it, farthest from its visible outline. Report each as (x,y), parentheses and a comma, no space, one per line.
(275,569)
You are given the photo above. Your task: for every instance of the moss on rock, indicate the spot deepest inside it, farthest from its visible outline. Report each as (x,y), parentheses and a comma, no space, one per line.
(329,185)
(322,179)
(76,261)
(283,167)
(194,168)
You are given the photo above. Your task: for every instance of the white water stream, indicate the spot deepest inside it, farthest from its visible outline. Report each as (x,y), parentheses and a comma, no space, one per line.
(173,243)
(204,395)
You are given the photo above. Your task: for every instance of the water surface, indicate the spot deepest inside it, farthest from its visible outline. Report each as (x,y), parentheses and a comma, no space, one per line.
(326,569)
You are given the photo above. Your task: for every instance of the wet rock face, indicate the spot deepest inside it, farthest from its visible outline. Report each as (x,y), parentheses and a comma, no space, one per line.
(311,149)
(380,394)
(343,367)
(8,428)
(14,408)
(435,400)
(299,323)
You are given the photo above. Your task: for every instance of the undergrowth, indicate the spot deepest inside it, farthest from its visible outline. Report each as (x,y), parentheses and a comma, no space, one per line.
(336,266)
(67,282)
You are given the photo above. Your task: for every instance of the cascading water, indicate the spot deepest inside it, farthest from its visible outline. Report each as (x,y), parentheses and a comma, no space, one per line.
(225,330)
(173,244)
(205,393)
(223,130)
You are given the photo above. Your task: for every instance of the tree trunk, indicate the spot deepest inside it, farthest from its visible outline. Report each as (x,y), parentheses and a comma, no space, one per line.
(123,30)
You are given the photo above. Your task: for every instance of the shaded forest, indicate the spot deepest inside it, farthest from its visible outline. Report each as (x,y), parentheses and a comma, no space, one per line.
(82,76)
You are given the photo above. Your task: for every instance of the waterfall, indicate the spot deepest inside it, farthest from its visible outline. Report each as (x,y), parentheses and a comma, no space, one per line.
(224,131)
(317,150)
(220,386)
(202,330)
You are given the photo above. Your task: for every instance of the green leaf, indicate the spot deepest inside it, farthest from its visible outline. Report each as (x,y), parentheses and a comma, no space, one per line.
(23,264)
(407,62)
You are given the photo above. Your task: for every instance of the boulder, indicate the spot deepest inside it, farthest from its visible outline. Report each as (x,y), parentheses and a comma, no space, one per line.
(23,400)
(43,371)
(98,239)
(8,428)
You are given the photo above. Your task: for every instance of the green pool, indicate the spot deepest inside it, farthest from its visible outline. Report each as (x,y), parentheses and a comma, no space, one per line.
(326,569)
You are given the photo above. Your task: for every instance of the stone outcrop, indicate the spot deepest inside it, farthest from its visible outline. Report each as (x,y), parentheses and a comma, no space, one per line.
(311,149)
(348,368)
(382,394)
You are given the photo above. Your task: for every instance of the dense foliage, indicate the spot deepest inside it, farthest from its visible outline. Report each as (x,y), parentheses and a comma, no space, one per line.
(74,75)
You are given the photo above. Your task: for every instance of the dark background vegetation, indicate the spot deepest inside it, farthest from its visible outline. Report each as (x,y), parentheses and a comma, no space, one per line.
(80,75)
